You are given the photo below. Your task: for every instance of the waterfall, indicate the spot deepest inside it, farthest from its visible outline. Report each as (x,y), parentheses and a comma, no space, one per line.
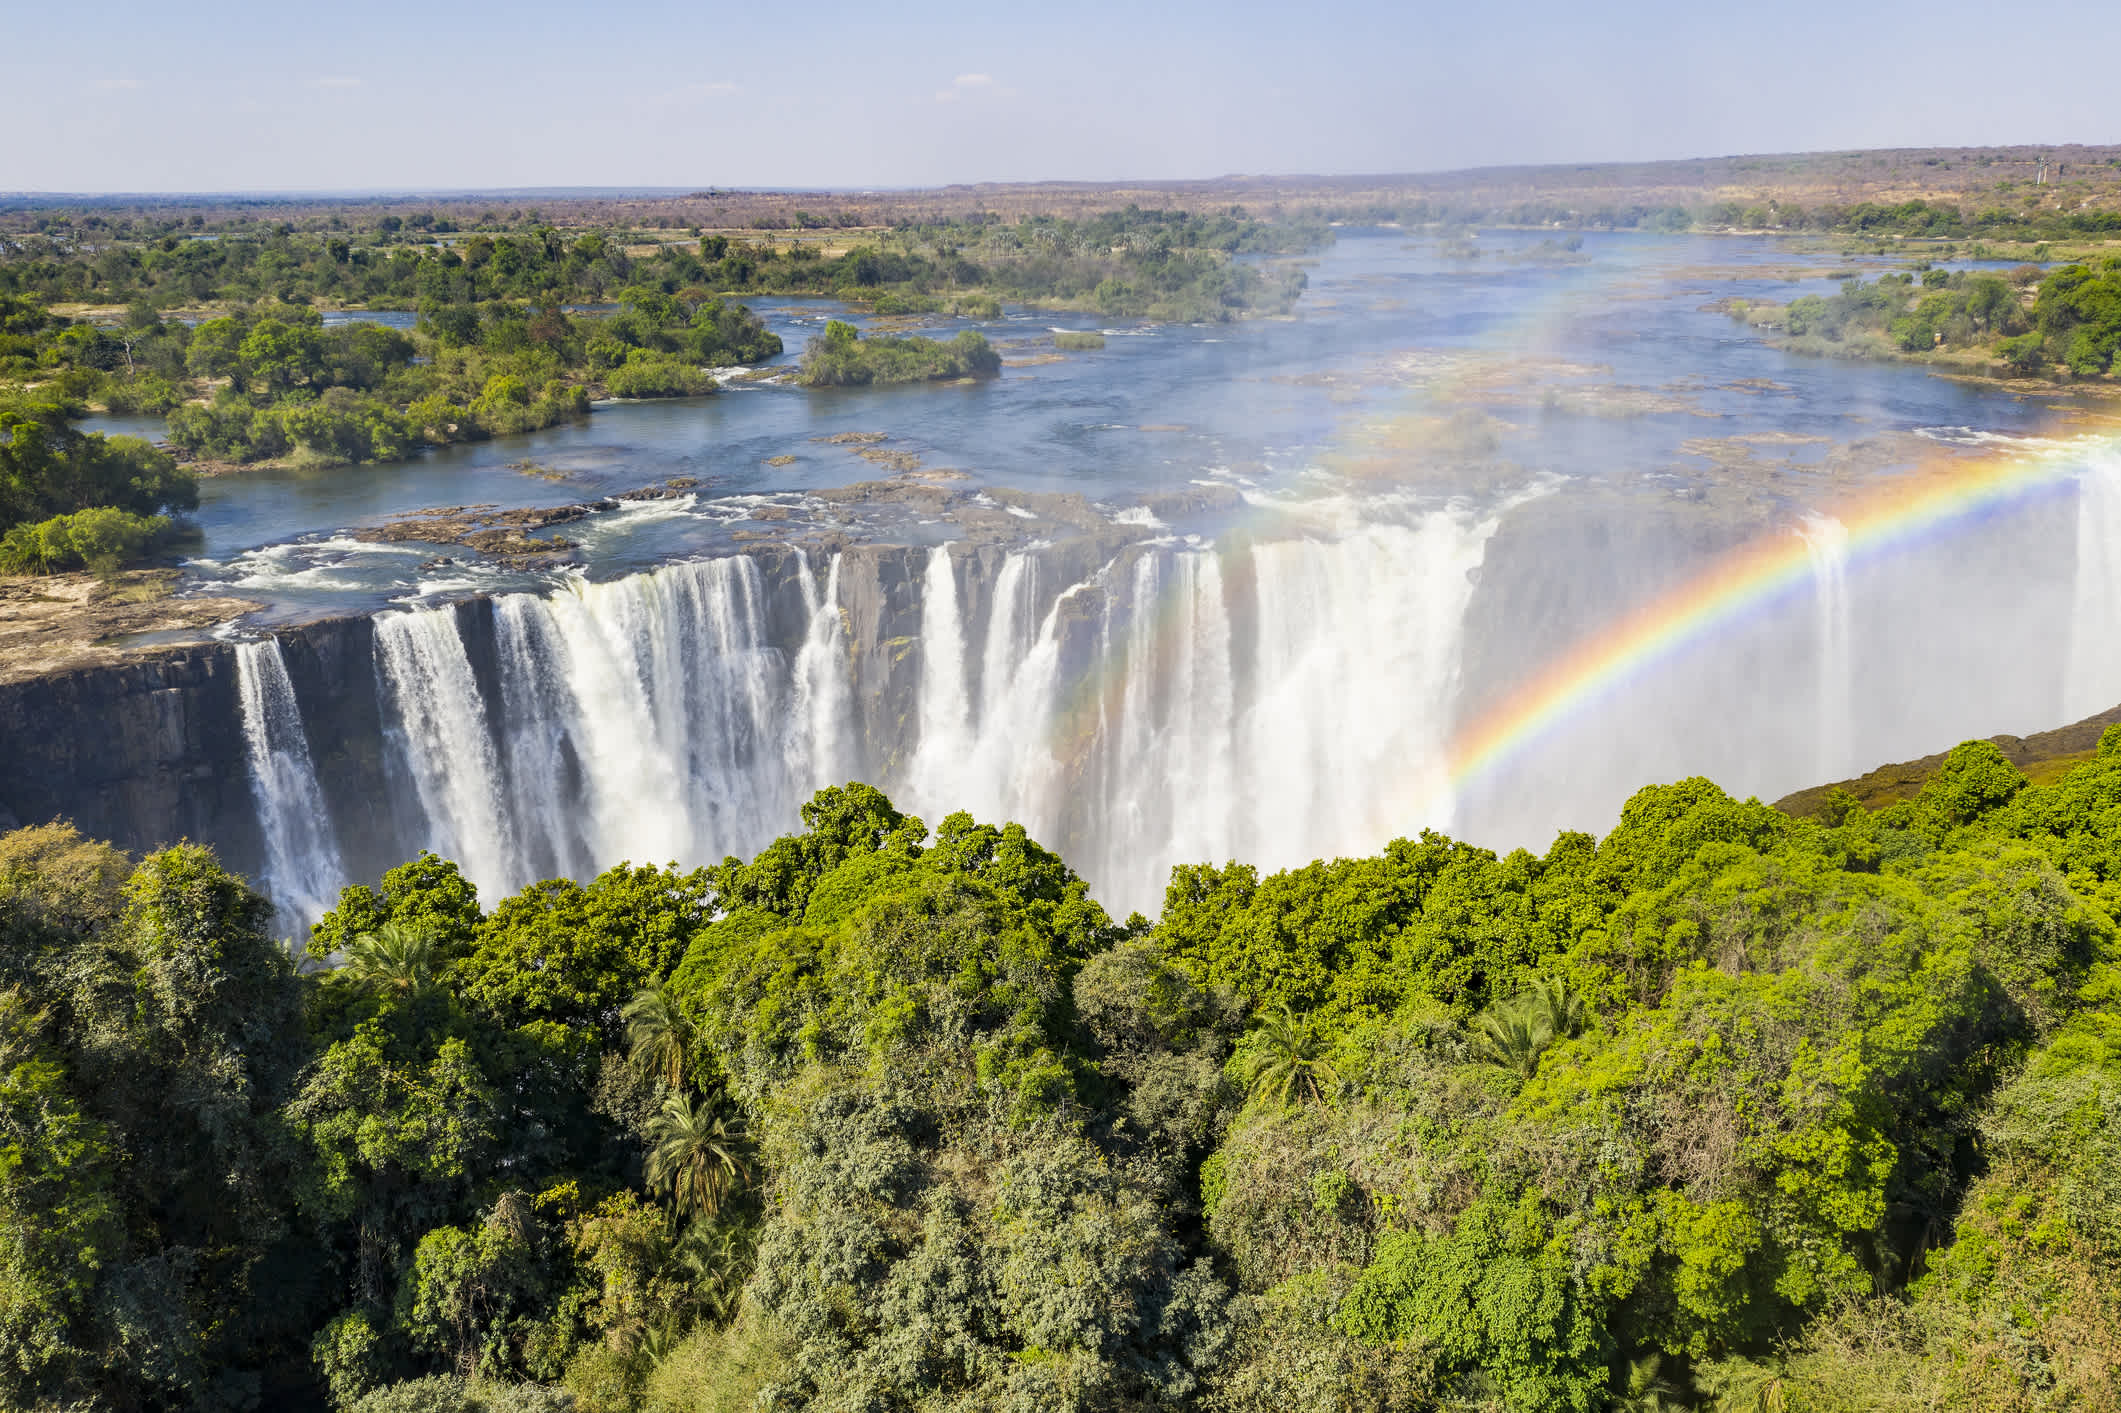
(648,719)
(823,709)
(439,722)
(944,708)
(1270,702)
(1013,767)
(1826,541)
(1170,789)
(302,869)
(1343,739)
(2092,678)
(1009,627)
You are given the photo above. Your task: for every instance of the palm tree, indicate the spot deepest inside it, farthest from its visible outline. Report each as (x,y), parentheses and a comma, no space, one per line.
(1647,1391)
(1512,1035)
(698,1156)
(1511,1038)
(716,1261)
(394,958)
(1291,1057)
(1742,1386)
(658,1034)
(1563,1010)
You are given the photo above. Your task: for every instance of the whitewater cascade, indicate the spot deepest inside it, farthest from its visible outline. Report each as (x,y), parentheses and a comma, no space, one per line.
(2092,678)
(649,718)
(1318,727)
(1172,704)
(1826,540)
(302,868)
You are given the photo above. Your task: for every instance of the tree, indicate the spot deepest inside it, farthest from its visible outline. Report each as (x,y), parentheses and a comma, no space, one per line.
(659,1034)
(1291,1058)
(396,958)
(698,1156)
(1514,1035)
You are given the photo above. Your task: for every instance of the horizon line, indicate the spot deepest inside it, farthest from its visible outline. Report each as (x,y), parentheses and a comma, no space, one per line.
(709,190)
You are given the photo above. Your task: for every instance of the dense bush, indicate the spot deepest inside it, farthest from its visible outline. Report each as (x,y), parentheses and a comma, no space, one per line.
(1725,1109)
(843,358)
(103,540)
(645,374)
(2074,318)
(69,498)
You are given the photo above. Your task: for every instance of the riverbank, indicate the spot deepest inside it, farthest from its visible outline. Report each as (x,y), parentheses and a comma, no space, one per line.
(61,622)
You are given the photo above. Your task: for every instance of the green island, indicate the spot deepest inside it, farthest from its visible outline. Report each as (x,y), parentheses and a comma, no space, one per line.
(1727,1109)
(2065,320)
(843,358)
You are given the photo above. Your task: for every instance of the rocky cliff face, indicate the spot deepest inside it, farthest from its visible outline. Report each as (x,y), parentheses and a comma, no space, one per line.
(143,752)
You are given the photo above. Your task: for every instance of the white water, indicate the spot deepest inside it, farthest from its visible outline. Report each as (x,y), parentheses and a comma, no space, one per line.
(945,743)
(1123,719)
(1826,540)
(648,719)
(302,868)
(2092,679)
(1322,731)
(822,747)
(437,717)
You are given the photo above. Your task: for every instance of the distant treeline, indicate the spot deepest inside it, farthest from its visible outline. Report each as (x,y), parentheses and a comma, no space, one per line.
(1929,220)
(1159,264)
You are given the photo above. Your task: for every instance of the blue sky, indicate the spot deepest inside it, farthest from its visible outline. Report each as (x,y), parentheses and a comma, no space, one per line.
(410,94)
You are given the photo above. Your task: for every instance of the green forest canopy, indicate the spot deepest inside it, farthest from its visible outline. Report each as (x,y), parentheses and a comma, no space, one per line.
(1725,1110)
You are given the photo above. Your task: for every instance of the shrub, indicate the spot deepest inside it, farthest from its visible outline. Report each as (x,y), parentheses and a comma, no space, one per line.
(102,539)
(842,358)
(145,393)
(2025,353)
(646,374)
(1077,341)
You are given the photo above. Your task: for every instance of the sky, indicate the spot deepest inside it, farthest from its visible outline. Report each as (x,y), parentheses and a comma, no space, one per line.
(235,95)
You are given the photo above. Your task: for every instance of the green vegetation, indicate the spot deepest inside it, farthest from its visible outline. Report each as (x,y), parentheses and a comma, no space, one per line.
(2024,214)
(1158,264)
(272,380)
(104,539)
(1726,1110)
(843,358)
(2068,317)
(1074,341)
(253,373)
(69,499)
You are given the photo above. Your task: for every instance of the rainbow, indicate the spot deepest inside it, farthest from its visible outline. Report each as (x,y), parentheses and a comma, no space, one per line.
(1893,515)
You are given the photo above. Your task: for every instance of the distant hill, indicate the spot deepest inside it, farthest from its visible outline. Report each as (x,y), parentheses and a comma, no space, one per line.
(2042,756)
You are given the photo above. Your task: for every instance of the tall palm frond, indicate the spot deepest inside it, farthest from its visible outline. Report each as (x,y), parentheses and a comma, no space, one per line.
(1647,1390)
(698,1156)
(658,1034)
(1563,1010)
(396,958)
(717,1262)
(1512,1035)
(1291,1059)
(1511,1038)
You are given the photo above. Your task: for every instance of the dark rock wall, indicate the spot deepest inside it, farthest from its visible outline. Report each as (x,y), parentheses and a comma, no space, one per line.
(143,753)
